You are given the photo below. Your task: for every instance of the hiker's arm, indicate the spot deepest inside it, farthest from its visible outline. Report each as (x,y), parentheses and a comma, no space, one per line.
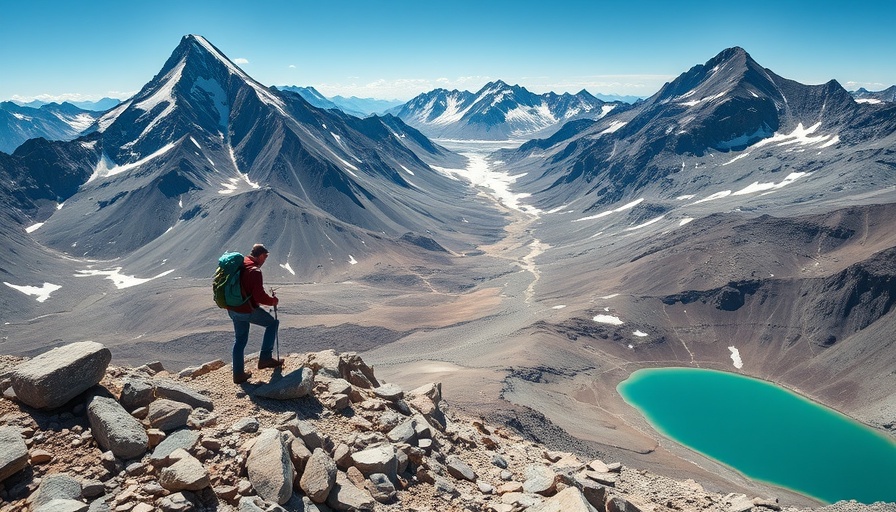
(260,296)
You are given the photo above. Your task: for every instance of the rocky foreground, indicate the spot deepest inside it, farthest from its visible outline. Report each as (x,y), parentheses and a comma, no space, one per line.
(322,434)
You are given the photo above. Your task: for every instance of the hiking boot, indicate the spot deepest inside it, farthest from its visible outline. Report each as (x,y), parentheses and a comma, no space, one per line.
(239,378)
(269,363)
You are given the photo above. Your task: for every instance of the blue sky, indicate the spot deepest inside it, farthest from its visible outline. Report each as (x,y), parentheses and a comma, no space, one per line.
(64,49)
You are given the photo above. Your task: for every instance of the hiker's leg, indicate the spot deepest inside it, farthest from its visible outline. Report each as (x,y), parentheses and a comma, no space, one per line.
(270,324)
(240,338)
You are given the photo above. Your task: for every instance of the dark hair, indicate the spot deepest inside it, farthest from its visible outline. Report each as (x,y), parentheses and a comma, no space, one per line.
(258,250)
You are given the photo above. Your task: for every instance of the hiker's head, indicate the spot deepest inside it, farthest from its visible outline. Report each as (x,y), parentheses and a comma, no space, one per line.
(259,252)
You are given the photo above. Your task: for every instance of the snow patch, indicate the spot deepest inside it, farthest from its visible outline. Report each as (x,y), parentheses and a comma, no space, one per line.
(762,187)
(735,358)
(645,224)
(352,260)
(34,227)
(685,220)
(559,306)
(640,334)
(106,167)
(617,210)
(121,281)
(799,135)
(41,293)
(607,319)
(288,268)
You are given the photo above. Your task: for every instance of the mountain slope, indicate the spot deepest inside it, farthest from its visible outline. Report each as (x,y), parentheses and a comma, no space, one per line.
(728,111)
(499,112)
(51,121)
(205,159)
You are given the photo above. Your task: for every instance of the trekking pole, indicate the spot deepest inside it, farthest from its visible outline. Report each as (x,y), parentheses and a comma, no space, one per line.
(277,334)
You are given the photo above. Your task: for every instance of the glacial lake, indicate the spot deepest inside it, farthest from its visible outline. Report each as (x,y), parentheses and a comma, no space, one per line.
(767,433)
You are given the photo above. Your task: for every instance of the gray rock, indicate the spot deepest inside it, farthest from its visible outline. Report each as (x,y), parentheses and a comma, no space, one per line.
(247,425)
(185,439)
(173,390)
(201,418)
(136,392)
(99,505)
(270,468)
(381,488)
(377,459)
(339,387)
(345,496)
(403,433)
(116,430)
(567,500)
(55,377)
(92,488)
(13,452)
(56,487)
(595,493)
(540,479)
(299,453)
(178,502)
(389,391)
(319,476)
(168,415)
(62,505)
(499,461)
(187,474)
(459,469)
(295,384)
(602,478)
(619,504)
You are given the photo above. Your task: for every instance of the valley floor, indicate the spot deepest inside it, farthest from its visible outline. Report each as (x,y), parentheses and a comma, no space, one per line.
(482,325)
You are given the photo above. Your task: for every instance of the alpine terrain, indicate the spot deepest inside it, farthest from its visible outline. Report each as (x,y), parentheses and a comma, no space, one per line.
(735,220)
(51,121)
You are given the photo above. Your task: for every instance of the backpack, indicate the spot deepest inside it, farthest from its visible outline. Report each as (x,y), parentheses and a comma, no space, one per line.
(226,283)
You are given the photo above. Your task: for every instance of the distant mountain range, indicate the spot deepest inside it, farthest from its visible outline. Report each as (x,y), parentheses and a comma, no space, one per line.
(51,121)
(499,111)
(100,105)
(360,107)
(886,95)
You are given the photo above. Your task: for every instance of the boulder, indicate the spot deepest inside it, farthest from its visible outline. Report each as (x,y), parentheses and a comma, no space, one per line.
(56,487)
(389,391)
(187,474)
(345,496)
(377,459)
(540,479)
(620,504)
(116,430)
(13,452)
(55,377)
(295,384)
(168,415)
(270,468)
(567,500)
(173,390)
(319,476)
(459,469)
(136,392)
(62,505)
(184,439)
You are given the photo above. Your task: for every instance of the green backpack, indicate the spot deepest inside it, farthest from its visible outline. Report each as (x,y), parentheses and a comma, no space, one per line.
(226,284)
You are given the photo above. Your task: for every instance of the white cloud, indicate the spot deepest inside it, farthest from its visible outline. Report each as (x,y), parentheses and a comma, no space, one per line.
(292,66)
(72,96)
(240,61)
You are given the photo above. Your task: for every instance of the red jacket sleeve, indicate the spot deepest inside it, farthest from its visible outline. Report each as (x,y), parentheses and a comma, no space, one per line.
(255,289)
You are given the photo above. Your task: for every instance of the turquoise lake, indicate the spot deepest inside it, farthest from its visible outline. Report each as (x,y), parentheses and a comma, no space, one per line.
(767,433)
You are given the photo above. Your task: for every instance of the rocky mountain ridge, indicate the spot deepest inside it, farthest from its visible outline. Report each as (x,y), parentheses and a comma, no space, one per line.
(499,111)
(322,434)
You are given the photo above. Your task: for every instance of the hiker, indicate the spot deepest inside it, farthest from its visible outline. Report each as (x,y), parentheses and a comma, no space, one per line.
(250,312)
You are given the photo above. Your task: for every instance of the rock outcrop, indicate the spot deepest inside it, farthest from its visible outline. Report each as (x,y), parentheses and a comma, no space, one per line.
(351,442)
(55,377)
